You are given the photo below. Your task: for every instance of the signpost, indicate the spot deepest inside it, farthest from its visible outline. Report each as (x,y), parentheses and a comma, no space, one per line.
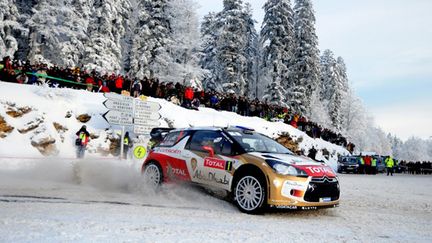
(120,113)
(146,116)
(127,111)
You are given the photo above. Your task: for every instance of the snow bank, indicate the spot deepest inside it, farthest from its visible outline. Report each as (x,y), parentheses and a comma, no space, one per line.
(61,106)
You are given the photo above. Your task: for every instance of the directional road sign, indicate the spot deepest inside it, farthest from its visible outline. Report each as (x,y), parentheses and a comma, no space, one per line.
(147,106)
(119,105)
(146,116)
(118,118)
(142,129)
(114,96)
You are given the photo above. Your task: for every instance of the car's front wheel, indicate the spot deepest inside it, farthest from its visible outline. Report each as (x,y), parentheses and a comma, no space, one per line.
(250,194)
(153,175)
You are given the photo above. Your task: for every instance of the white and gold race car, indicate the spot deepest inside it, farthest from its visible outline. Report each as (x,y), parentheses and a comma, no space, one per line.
(253,168)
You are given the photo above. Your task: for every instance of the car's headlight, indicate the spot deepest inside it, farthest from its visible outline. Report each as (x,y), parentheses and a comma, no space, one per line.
(284,169)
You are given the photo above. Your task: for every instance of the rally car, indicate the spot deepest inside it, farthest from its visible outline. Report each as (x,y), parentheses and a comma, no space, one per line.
(253,168)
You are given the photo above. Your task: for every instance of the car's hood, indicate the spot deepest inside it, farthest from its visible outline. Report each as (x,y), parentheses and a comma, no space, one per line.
(311,167)
(286,158)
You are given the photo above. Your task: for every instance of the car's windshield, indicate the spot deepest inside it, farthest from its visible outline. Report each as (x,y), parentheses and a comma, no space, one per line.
(255,142)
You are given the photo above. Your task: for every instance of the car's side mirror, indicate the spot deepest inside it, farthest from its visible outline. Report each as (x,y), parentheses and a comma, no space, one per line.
(210,150)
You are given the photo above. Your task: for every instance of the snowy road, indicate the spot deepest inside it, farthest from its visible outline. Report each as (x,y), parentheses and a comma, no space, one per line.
(103,201)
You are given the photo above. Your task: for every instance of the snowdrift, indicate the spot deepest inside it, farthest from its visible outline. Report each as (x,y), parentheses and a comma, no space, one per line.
(45,120)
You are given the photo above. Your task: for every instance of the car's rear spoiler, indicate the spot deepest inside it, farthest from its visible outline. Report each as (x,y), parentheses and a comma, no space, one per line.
(157,134)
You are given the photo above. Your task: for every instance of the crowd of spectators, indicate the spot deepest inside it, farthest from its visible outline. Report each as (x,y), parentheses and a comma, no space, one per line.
(416,168)
(178,93)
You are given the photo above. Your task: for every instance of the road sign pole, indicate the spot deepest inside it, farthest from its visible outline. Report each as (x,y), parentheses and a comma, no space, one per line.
(122,142)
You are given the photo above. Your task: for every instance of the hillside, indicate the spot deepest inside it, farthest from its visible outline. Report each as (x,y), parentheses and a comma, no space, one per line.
(38,121)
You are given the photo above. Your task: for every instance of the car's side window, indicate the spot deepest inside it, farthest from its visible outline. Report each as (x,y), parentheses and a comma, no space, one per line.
(213,139)
(172,138)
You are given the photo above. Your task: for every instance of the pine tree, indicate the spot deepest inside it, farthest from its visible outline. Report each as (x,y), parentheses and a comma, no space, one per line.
(106,31)
(11,30)
(304,77)
(277,39)
(57,32)
(333,87)
(275,94)
(318,110)
(150,55)
(231,48)
(251,52)
(208,61)
(185,42)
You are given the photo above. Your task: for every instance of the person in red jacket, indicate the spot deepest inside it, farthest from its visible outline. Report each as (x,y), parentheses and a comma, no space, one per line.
(7,63)
(90,81)
(188,97)
(119,84)
(103,87)
(368,161)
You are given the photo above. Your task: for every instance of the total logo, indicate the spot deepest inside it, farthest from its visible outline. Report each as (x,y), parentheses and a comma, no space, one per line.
(214,163)
(315,170)
(178,172)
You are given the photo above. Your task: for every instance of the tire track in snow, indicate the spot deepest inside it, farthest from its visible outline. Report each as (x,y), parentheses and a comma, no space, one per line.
(57,200)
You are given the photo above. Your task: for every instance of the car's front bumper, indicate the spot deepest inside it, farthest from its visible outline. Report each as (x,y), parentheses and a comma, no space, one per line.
(302,193)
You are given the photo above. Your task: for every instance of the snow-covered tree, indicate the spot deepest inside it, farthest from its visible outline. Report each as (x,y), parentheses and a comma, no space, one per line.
(355,121)
(277,39)
(150,55)
(57,32)
(304,76)
(333,87)
(209,33)
(275,94)
(106,31)
(376,140)
(231,48)
(414,149)
(252,52)
(11,30)
(185,44)
(318,110)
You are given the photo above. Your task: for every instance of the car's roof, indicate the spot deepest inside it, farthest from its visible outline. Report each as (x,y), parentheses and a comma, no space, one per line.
(211,129)
(197,129)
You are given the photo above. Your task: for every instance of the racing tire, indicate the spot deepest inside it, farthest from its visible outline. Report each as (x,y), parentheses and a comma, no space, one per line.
(250,193)
(153,175)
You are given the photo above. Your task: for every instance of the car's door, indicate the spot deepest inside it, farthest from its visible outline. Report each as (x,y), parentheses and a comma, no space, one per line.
(209,162)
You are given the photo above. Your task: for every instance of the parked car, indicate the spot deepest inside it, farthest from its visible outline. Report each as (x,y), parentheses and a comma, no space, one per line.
(348,164)
(380,163)
(253,168)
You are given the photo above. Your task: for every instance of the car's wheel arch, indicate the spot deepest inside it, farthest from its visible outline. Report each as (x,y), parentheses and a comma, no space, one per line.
(250,169)
(151,161)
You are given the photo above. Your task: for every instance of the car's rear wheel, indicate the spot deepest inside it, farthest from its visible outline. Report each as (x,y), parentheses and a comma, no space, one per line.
(153,176)
(250,194)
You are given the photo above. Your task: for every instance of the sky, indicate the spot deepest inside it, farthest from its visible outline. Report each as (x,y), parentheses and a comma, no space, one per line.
(387,47)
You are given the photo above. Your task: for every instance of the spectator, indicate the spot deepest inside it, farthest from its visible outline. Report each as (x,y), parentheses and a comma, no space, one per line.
(389,165)
(137,88)
(127,143)
(82,141)
(188,97)
(312,153)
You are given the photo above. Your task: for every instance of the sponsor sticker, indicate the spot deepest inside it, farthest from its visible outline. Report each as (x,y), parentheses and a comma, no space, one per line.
(214,163)
(194,164)
(285,206)
(211,177)
(319,170)
(167,150)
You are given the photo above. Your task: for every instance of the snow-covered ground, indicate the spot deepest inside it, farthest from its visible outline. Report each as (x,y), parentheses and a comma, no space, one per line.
(58,198)
(103,201)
